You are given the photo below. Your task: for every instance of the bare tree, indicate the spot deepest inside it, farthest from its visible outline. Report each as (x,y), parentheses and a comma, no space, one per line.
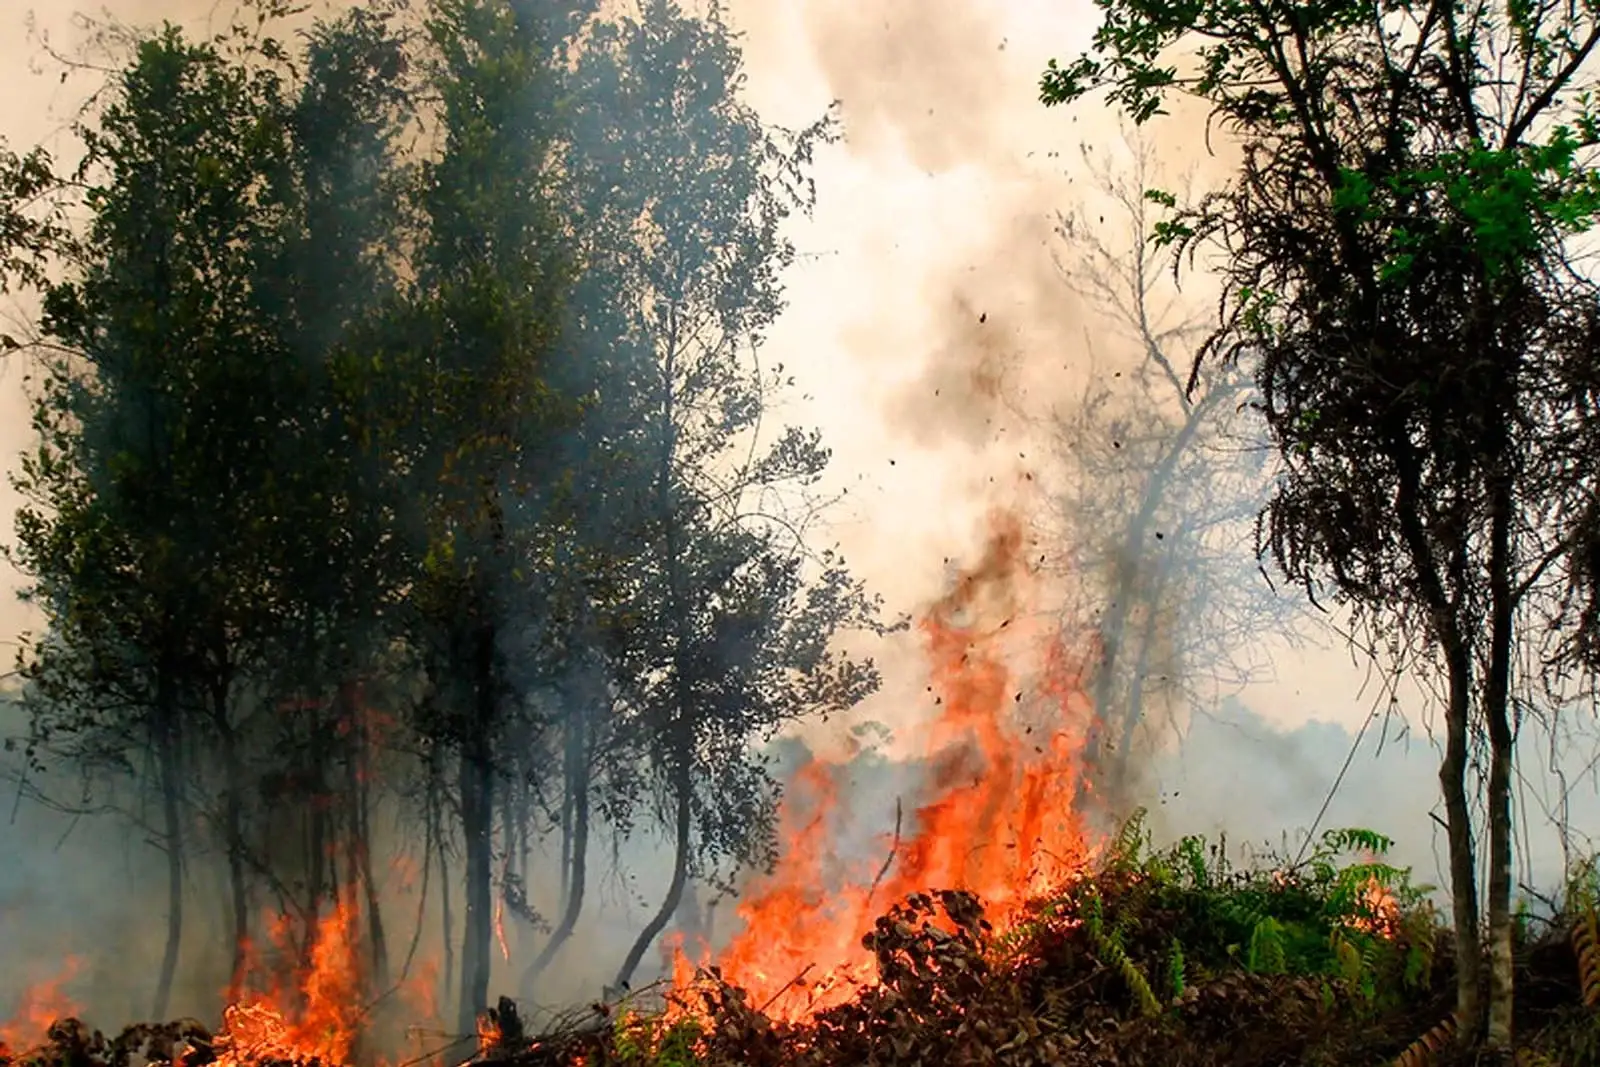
(1157,486)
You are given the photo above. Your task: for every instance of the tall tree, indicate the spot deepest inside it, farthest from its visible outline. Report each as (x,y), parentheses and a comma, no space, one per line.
(1396,262)
(683,192)
(481,332)
(144,536)
(1160,485)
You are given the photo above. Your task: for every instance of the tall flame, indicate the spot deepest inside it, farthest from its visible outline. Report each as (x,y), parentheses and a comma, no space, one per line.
(997,817)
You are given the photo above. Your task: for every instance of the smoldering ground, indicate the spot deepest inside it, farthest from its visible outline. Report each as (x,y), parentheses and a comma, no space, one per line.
(929,333)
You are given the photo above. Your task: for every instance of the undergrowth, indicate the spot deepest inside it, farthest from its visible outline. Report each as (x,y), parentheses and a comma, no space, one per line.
(1158,957)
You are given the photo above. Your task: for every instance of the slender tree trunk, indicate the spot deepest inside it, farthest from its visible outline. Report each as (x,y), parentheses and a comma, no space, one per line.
(678,737)
(477,827)
(567,830)
(1458,824)
(233,835)
(475,781)
(447,918)
(1122,760)
(1124,590)
(172,818)
(359,847)
(1497,698)
(1446,620)
(683,797)
(317,848)
(576,874)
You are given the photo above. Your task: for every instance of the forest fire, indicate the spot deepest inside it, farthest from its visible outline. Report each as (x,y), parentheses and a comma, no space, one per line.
(42,1004)
(317,1015)
(998,817)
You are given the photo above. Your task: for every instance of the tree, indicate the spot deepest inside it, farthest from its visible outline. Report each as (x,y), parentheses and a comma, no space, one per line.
(679,215)
(1397,265)
(1161,485)
(196,466)
(143,538)
(479,334)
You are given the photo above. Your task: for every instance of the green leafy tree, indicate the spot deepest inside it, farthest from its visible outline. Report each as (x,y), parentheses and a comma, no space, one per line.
(681,195)
(143,537)
(1397,267)
(478,337)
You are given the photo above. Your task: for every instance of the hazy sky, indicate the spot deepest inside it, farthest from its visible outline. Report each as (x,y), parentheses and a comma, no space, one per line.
(936,209)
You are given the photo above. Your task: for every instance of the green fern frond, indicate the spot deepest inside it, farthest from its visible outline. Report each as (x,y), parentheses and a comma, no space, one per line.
(1266,955)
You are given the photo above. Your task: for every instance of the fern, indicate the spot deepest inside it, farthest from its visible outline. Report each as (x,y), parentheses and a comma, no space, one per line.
(1266,955)
(1127,846)
(1175,975)
(1424,1050)
(1586,942)
(1111,950)
(1192,852)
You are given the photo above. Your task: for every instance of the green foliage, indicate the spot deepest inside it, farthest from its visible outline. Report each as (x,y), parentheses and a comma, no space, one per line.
(472,420)
(1360,923)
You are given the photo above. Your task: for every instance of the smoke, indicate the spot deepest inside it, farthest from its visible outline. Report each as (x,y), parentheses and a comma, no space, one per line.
(930,334)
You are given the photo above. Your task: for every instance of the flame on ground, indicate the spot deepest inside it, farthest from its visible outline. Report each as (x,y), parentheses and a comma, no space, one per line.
(317,1014)
(42,1004)
(998,816)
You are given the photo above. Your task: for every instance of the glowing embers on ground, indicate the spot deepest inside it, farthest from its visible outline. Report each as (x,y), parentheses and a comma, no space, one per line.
(997,815)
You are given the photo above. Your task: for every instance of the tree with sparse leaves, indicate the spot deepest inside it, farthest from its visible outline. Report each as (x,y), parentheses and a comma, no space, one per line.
(682,192)
(1159,486)
(1398,266)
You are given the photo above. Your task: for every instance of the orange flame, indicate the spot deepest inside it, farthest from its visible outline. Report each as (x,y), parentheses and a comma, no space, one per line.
(317,1015)
(42,1004)
(998,820)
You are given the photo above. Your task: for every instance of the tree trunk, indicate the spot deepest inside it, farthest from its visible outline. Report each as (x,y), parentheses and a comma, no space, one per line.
(1126,596)
(447,919)
(172,818)
(317,848)
(682,788)
(475,783)
(233,836)
(359,862)
(576,767)
(477,830)
(1458,824)
(1496,708)
(1446,625)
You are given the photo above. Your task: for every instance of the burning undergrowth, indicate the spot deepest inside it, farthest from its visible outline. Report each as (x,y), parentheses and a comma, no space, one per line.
(1153,957)
(993,926)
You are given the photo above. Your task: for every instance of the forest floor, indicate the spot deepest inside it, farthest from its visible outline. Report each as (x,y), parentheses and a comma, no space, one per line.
(1155,959)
